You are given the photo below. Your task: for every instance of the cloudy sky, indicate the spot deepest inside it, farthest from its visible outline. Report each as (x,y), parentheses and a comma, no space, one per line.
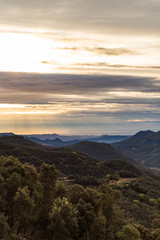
(79,66)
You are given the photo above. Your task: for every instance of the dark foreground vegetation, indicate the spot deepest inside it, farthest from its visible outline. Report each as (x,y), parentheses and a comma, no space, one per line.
(38,206)
(115,201)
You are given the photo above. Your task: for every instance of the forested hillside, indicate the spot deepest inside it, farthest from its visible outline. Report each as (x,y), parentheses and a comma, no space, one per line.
(78,166)
(113,200)
(102,152)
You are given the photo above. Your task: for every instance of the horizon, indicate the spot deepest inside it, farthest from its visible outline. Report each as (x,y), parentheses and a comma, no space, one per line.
(76,134)
(77,67)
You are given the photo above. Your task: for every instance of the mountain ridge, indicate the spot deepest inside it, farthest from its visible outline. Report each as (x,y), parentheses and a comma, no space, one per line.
(145,148)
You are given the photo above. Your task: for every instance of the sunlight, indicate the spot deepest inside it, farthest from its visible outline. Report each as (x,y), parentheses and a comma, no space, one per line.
(23,52)
(36,52)
(20,110)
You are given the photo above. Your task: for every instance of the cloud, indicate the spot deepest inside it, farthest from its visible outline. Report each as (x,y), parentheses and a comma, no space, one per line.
(117,31)
(101,50)
(111,51)
(93,15)
(88,101)
(70,84)
(76,84)
(79,98)
(105,64)
(143,120)
(44,88)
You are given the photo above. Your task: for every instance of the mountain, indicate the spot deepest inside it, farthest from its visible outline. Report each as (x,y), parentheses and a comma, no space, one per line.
(137,139)
(62,137)
(16,139)
(7,134)
(54,143)
(102,152)
(76,138)
(99,151)
(109,138)
(68,162)
(143,146)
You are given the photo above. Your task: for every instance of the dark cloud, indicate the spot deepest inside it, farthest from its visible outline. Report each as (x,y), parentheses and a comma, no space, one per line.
(120,113)
(82,89)
(76,84)
(137,101)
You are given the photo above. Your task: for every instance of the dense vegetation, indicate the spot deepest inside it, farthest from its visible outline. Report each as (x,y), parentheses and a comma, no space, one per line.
(78,166)
(115,201)
(101,152)
(38,206)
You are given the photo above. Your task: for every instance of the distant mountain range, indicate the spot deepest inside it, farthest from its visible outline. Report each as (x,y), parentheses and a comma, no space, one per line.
(143,146)
(62,137)
(55,140)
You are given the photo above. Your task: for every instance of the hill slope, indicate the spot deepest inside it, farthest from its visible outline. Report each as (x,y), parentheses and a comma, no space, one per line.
(143,146)
(16,139)
(67,162)
(102,152)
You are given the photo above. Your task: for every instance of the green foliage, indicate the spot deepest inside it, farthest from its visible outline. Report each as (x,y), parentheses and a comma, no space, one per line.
(63,220)
(60,190)
(99,228)
(128,232)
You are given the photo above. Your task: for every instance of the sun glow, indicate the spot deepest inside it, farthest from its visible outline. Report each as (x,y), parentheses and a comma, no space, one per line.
(36,110)
(42,53)
(23,52)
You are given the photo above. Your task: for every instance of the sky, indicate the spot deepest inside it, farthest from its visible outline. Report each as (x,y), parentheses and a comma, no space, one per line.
(79,66)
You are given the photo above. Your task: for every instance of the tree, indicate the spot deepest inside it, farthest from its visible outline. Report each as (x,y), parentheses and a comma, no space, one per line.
(24,204)
(4,228)
(76,193)
(63,220)
(47,178)
(86,218)
(128,232)
(60,190)
(99,228)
